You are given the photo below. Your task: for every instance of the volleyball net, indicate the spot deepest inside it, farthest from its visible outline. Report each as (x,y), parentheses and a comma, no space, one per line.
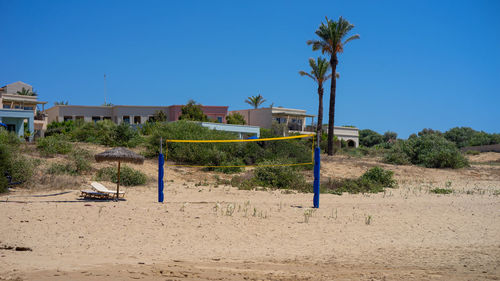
(239,153)
(298,150)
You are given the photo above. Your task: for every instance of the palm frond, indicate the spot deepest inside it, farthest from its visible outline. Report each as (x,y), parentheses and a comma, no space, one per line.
(354,37)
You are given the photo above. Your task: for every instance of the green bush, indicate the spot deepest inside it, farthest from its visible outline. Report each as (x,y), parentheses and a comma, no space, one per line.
(399,154)
(12,163)
(473,152)
(372,181)
(281,177)
(370,138)
(441,191)
(128,176)
(56,144)
(235,118)
(79,163)
(430,150)
(381,176)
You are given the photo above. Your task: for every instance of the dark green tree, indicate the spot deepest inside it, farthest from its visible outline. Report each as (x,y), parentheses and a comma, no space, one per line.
(370,138)
(159,116)
(331,41)
(235,118)
(390,136)
(193,112)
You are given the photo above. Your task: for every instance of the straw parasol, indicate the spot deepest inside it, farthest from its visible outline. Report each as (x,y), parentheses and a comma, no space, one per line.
(119,154)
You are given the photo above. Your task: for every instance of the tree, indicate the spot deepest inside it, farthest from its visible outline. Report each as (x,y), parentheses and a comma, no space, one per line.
(332,42)
(61,103)
(390,136)
(370,138)
(235,118)
(319,74)
(159,116)
(461,136)
(255,101)
(429,131)
(26,92)
(192,111)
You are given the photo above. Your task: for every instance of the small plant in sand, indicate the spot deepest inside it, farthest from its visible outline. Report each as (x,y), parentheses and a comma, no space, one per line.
(368,219)
(441,191)
(183,207)
(308,214)
(230,210)
(334,215)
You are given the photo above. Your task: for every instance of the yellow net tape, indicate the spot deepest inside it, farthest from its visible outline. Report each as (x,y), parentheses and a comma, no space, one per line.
(245,140)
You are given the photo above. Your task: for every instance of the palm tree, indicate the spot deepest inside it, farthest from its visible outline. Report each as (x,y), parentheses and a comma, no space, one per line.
(255,101)
(331,42)
(26,92)
(319,74)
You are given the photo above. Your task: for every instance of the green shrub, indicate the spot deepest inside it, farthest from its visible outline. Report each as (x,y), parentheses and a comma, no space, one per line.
(56,128)
(473,152)
(59,169)
(128,176)
(372,181)
(441,191)
(79,163)
(381,176)
(370,138)
(281,177)
(430,150)
(399,154)
(235,118)
(51,145)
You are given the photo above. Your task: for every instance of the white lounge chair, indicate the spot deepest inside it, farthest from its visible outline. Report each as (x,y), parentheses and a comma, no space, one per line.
(102,189)
(92,194)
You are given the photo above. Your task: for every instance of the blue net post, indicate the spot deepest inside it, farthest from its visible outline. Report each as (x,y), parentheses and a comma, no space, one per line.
(317,166)
(161,161)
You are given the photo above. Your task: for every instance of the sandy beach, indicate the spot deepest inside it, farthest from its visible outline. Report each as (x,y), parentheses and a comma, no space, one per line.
(210,231)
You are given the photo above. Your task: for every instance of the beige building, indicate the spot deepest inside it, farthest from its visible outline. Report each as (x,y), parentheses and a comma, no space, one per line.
(295,120)
(19,109)
(131,114)
(116,113)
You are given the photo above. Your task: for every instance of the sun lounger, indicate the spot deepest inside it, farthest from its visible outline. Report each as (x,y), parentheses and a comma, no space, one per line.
(92,194)
(102,189)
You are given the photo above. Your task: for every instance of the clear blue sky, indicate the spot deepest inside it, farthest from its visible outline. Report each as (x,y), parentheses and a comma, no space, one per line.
(418,64)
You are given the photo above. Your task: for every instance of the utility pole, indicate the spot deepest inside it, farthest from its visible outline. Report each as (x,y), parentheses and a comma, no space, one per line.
(104,88)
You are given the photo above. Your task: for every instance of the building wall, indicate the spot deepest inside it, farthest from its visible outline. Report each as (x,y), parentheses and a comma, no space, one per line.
(116,113)
(261,117)
(17,86)
(212,112)
(140,111)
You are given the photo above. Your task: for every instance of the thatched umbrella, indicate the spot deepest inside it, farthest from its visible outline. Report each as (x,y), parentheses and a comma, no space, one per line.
(119,154)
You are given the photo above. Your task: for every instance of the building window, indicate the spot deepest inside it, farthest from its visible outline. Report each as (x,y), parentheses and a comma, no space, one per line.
(219,119)
(106,118)
(7,106)
(137,119)
(66,118)
(79,118)
(126,119)
(28,108)
(151,118)
(96,118)
(17,106)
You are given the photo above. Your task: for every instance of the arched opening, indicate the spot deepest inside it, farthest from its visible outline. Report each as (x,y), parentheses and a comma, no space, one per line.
(351,143)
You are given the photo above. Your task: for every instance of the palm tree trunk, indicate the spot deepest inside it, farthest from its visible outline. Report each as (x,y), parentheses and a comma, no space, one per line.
(331,114)
(319,127)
